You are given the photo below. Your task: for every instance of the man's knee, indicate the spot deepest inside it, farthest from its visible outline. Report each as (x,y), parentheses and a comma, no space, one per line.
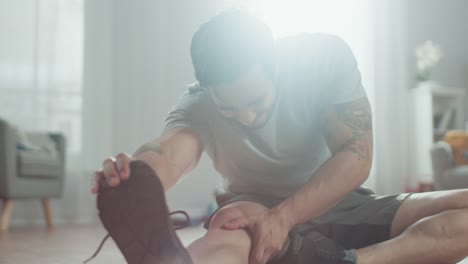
(448,224)
(235,210)
(224,215)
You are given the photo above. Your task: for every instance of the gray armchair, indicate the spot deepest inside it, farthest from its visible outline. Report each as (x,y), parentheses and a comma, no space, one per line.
(34,171)
(447,175)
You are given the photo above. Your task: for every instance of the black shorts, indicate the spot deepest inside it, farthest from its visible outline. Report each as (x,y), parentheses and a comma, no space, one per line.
(359,220)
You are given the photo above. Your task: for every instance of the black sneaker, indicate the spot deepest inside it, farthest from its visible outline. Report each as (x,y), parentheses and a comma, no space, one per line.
(136,216)
(309,246)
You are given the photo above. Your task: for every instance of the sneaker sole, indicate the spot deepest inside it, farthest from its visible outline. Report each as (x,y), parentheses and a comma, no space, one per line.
(136,216)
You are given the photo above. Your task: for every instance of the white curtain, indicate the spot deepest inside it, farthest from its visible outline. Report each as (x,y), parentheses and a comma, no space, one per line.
(41,89)
(391,80)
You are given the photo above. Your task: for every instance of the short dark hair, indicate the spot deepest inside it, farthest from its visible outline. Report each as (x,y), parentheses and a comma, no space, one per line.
(228,45)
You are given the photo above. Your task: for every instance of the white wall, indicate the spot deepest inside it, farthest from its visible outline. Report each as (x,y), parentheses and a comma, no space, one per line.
(446,24)
(390,96)
(97,82)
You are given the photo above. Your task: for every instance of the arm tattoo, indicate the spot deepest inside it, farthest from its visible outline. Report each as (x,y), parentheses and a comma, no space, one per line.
(357,117)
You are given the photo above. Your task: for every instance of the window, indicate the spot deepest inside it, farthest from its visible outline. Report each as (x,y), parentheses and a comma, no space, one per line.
(41,66)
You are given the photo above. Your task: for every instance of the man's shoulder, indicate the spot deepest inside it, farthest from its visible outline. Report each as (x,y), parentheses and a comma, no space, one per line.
(196,88)
(195,93)
(195,99)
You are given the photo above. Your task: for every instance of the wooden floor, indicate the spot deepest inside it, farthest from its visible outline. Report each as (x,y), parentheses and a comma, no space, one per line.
(69,245)
(66,245)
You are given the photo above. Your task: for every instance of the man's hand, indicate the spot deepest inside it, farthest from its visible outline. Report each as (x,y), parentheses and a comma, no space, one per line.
(114,170)
(269,233)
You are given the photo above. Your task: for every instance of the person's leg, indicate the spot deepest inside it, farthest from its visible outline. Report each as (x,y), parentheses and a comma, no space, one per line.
(427,228)
(222,246)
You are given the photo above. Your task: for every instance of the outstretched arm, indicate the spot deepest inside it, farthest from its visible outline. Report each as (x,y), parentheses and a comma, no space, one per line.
(172,155)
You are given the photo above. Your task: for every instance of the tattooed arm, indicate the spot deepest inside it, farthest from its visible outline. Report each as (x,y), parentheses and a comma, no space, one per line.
(349,136)
(349,127)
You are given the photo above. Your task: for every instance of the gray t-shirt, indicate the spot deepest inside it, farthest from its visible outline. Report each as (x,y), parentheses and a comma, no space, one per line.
(315,71)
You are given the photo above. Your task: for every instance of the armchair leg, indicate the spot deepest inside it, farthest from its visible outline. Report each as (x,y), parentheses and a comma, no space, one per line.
(47,211)
(6,214)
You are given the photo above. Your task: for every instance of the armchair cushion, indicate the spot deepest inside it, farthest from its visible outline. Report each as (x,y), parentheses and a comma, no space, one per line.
(25,174)
(38,163)
(442,157)
(22,139)
(456,178)
(42,161)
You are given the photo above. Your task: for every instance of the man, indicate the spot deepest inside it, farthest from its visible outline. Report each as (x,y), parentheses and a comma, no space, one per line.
(288,126)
